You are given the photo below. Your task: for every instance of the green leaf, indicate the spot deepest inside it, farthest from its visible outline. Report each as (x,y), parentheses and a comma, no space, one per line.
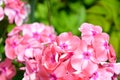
(10,27)
(89,2)
(97,9)
(41,11)
(69,22)
(112,7)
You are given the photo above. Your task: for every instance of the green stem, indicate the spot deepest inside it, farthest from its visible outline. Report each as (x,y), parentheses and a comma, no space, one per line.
(49,11)
(33,4)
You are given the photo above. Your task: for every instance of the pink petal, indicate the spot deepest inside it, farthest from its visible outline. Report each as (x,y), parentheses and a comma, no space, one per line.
(1,13)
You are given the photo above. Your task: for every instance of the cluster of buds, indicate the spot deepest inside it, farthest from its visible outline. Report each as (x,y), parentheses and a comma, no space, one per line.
(48,56)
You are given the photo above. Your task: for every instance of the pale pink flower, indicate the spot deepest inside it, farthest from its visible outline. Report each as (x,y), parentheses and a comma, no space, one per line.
(29,48)
(68,42)
(23,41)
(101,45)
(101,74)
(16,11)
(63,71)
(33,30)
(1,13)
(42,33)
(111,72)
(88,31)
(84,59)
(11,44)
(7,70)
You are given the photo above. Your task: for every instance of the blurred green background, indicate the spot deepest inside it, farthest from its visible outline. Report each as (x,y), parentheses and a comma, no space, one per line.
(68,15)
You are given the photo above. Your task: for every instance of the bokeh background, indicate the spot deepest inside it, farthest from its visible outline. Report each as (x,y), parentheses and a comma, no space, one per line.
(67,16)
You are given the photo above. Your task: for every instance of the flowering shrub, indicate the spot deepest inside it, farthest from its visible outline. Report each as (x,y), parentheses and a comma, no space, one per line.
(16,10)
(44,55)
(47,56)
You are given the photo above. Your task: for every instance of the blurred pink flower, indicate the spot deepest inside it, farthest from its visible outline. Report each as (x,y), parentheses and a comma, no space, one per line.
(89,31)
(7,70)
(11,45)
(1,13)
(42,33)
(16,10)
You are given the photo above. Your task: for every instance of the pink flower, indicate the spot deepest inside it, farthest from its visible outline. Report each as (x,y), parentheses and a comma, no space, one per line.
(101,74)
(68,42)
(111,72)
(7,70)
(101,41)
(25,40)
(84,59)
(10,47)
(42,33)
(89,31)
(16,10)
(29,48)
(1,13)
(50,58)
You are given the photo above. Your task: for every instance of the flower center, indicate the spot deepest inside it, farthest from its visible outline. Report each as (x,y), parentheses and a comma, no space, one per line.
(36,35)
(94,76)
(53,77)
(86,55)
(106,45)
(93,33)
(64,46)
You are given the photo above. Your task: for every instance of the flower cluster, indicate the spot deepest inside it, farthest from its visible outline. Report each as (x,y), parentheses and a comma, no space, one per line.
(7,70)
(16,10)
(47,56)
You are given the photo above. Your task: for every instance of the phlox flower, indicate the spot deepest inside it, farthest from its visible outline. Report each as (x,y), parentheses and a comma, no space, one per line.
(11,45)
(102,49)
(50,58)
(42,33)
(106,71)
(83,61)
(7,70)
(67,42)
(101,74)
(94,36)
(16,10)
(23,41)
(88,31)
